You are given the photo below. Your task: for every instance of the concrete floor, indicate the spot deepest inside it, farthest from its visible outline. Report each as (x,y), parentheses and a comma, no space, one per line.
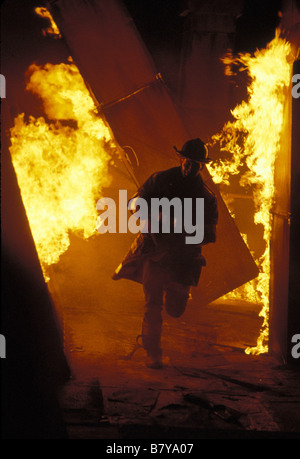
(208,388)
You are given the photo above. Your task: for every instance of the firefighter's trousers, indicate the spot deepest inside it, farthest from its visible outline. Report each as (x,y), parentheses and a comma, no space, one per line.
(160,291)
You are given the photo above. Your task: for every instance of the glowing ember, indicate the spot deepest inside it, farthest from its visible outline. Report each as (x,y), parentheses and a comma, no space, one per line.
(251,143)
(52,29)
(61,166)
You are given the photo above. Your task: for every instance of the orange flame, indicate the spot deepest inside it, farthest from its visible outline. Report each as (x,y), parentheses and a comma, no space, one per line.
(52,29)
(252,142)
(61,166)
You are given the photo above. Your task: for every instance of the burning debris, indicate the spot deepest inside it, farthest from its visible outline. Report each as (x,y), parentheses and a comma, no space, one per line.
(52,30)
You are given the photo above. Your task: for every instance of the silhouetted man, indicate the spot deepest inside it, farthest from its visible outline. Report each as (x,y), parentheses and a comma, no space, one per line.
(168,263)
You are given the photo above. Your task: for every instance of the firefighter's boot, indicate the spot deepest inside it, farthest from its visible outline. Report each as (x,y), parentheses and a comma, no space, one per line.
(151,338)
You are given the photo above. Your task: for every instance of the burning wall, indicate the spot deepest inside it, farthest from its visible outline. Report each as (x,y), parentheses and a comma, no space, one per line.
(252,144)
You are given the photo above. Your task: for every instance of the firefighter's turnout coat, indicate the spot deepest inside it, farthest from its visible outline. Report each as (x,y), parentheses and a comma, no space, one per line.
(183,261)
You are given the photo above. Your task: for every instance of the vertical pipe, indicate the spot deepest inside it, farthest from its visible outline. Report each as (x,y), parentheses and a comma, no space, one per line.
(279,245)
(294,265)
